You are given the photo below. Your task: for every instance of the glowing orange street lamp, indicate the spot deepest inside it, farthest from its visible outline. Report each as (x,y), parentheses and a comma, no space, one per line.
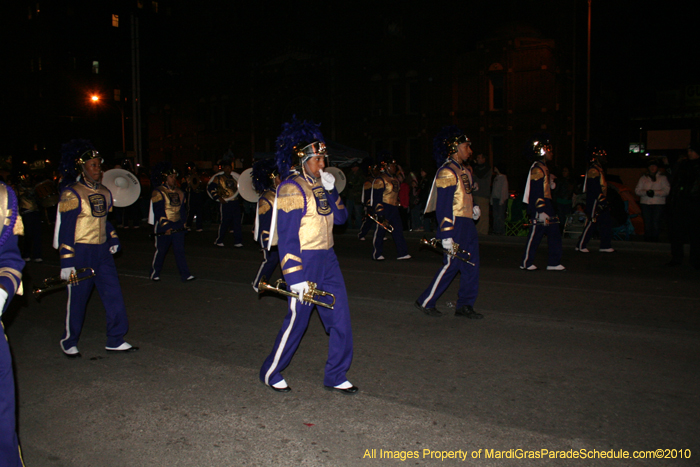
(94,98)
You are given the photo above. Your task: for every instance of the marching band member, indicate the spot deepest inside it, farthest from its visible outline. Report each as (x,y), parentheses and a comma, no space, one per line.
(11,265)
(451,199)
(538,197)
(265,181)
(169,213)
(85,239)
(597,207)
(194,189)
(385,203)
(306,208)
(223,189)
(368,224)
(31,217)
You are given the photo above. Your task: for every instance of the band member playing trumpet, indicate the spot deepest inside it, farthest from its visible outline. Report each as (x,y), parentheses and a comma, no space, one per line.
(11,265)
(306,208)
(538,197)
(385,203)
(169,215)
(451,199)
(223,189)
(265,181)
(85,239)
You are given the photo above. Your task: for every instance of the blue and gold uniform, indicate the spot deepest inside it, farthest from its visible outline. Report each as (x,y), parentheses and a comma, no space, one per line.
(306,213)
(538,197)
(169,212)
(87,240)
(306,208)
(451,199)
(223,188)
(385,203)
(11,265)
(597,209)
(271,257)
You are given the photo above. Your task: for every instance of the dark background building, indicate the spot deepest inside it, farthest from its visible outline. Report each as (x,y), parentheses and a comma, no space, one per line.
(195,81)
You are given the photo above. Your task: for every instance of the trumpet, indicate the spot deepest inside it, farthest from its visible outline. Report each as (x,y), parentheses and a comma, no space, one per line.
(55,282)
(437,244)
(308,296)
(382,222)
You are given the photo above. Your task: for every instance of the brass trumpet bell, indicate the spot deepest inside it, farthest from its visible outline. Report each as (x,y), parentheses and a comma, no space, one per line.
(308,296)
(55,282)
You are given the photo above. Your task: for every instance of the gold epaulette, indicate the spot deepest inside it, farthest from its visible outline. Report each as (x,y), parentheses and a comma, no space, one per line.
(156,196)
(445,178)
(536,173)
(69,201)
(378,183)
(289,198)
(19,227)
(263,206)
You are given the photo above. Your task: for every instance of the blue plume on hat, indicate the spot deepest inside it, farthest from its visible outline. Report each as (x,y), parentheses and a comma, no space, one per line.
(261,173)
(441,143)
(293,133)
(70,155)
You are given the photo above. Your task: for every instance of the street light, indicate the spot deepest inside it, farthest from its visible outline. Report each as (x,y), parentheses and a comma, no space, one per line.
(95,98)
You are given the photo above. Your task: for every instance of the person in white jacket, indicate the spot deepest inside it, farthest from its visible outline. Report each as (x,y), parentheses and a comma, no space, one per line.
(499,201)
(653,188)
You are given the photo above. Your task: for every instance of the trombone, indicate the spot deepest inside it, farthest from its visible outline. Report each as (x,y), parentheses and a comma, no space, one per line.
(55,282)
(437,244)
(308,296)
(382,222)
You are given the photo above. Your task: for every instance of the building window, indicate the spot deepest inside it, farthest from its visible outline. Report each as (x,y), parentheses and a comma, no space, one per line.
(154,5)
(95,67)
(115,21)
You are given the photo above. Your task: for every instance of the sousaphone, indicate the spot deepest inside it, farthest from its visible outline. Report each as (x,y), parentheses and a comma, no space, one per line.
(245,186)
(340,179)
(124,185)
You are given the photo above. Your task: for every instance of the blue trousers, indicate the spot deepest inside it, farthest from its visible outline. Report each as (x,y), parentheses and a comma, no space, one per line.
(270,261)
(10,455)
(391,213)
(602,225)
(468,240)
(230,218)
(321,267)
(534,238)
(163,243)
(106,280)
(367,225)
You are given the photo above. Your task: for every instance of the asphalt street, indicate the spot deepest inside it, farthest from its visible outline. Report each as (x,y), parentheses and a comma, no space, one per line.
(601,359)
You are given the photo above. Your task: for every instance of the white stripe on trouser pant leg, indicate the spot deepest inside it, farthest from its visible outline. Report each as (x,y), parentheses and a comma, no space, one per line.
(283,342)
(588,226)
(153,264)
(529,242)
(70,287)
(256,281)
(437,282)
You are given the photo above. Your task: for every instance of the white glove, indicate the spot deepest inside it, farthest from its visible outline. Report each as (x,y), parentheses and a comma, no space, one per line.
(447,244)
(542,217)
(328,180)
(3,299)
(300,288)
(113,249)
(552,183)
(66,272)
(475,186)
(476,213)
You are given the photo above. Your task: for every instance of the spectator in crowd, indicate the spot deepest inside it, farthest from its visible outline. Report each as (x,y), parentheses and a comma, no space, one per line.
(499,200)
(652,188)
(482,193)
